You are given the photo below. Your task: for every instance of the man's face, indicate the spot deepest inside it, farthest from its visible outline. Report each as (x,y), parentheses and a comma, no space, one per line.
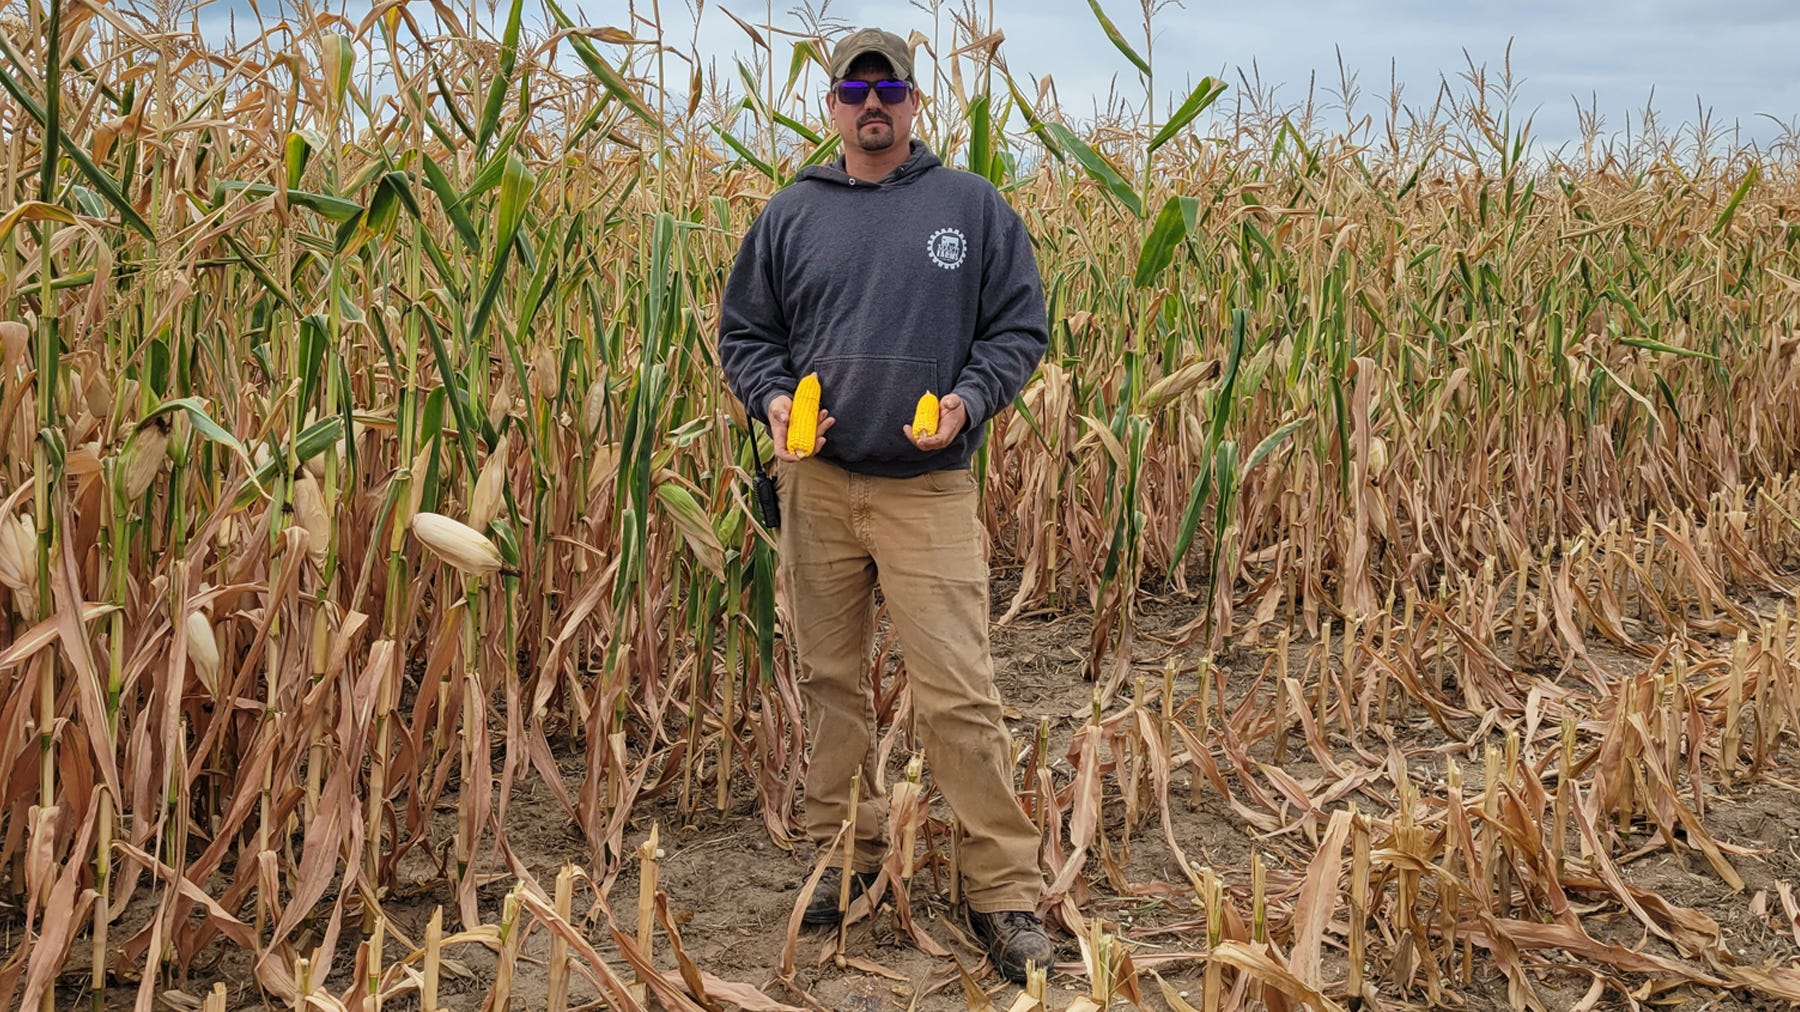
(873,126)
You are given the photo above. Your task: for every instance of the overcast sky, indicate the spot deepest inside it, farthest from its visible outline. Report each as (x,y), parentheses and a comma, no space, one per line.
(1735,58)
(1738,57)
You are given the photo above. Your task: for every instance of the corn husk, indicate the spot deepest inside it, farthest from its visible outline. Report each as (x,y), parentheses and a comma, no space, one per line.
(143,458)
(203,650)
(15,337)
(415,489)
(593,406)
(458,544)
(544,377)
(501,404)
(485,504)
(97,393)
(81,427)
(316,462)
(309,513)
(18,553)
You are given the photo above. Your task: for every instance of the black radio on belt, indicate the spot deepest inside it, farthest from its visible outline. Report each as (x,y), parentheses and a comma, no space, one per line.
(768,498)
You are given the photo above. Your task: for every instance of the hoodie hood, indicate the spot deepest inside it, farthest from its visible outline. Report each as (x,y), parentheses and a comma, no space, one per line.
(919,161)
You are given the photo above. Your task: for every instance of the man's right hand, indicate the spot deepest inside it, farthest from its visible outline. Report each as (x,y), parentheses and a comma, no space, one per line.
(781,409)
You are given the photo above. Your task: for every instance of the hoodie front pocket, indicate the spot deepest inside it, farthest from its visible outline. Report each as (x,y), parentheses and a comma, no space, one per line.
(872,398)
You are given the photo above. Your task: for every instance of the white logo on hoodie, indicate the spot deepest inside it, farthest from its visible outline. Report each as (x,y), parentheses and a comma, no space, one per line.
(947,248)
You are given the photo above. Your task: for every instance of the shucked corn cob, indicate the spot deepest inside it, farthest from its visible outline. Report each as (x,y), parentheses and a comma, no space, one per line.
(925,416)
(803,420)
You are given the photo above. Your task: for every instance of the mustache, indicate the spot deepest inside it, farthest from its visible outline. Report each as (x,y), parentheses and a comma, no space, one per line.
(873,117)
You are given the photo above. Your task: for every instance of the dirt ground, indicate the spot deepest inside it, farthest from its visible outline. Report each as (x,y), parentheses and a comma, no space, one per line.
(731,889)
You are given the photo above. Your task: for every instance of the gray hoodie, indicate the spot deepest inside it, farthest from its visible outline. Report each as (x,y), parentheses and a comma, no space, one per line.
(922,281)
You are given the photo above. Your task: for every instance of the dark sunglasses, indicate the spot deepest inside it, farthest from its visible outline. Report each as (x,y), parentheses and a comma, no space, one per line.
(857,92)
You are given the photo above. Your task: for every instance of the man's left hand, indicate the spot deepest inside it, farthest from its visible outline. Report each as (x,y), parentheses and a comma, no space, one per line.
(952,416)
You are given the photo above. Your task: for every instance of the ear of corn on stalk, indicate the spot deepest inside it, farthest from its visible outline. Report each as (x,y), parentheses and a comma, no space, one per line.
(144,456)
(18,561)
(309,512)
(803,420)
(18,551)
(593,406)
(484,505)
(925,416)
(458,544)
(203,650)
(14,336)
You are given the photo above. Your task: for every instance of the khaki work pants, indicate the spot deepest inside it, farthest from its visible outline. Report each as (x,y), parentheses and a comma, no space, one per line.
(842,532)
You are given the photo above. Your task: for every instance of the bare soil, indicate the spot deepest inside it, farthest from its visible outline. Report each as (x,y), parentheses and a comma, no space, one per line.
(732,889)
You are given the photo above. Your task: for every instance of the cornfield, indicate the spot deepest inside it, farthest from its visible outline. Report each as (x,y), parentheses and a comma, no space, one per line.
(1396,552)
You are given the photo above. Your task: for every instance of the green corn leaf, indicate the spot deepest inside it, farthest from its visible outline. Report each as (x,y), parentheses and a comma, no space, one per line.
(335,208)
(1240,325)
(609,78)
(203,424)
(1225,466)
(516,185)
(804,50)
(812,136)
(1204,94)
(1166,236)
(762,600)
(824,152)
(447,95)
(465,422)
(314,339)
(315,438)
(338,59)
(1097,166)
(1118,39)
(1033,123)
(262,274)
(981,144)
(1736,198)
(1271,443)
(502,83)
(53,139)
(691,520)
(296,153)
(747,155)
(452,204)
(1667,349)
(515,191)
(100,178)
(1190,517)
(753,96)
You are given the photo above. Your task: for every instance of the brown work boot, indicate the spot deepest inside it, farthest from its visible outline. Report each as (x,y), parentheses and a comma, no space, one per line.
(1013,937)
(824,906)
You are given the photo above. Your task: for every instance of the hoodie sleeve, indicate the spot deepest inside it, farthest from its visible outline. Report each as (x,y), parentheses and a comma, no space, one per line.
(753,328)
(1011,329)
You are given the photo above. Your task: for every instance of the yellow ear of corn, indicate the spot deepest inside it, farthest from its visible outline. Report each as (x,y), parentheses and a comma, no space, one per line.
(925,416)
(803,420)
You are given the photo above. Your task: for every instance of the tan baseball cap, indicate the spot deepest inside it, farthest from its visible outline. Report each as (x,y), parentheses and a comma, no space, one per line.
(887,45)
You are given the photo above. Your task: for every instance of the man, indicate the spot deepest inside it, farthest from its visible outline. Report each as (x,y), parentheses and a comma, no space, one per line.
(890,275)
